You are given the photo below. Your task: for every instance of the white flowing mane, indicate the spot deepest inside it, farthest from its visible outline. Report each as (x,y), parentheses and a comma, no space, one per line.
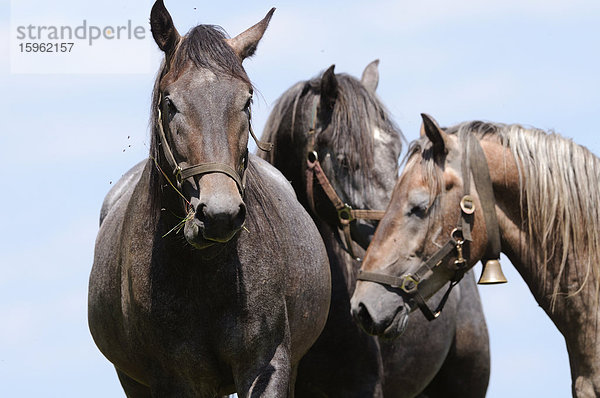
(560,202)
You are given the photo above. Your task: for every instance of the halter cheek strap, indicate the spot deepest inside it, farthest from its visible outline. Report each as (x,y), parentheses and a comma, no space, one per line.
(262,145)
(183,173)
(345,213)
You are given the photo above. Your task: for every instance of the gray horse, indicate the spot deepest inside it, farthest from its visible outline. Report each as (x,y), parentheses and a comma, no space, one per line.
(338,120)
(209,277)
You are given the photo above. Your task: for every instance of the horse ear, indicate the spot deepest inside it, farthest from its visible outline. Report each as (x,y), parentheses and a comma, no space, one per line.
(370,76)
(436,135)
(244,44)
(163,30)
(329,88)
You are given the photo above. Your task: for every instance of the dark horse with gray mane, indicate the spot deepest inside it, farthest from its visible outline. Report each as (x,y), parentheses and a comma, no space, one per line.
(336,143)
(233,302)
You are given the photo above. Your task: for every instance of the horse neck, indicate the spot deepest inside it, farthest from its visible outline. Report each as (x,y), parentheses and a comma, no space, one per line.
(344,268)
(513,228)
(517,245)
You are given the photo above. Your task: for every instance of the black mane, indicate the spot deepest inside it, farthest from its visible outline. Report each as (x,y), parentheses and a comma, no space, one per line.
(355,112)
(205,46)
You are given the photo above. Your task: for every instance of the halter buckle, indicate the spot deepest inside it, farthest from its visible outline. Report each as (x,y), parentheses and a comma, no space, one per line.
(467,205)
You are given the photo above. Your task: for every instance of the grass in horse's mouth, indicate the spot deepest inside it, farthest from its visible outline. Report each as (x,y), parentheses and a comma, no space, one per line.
(190,214)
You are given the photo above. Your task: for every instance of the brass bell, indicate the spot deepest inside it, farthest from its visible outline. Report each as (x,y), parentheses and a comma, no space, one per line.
(492,273)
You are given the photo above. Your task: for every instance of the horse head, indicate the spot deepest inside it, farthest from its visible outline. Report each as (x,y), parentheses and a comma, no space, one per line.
(434,230)
(348,131)
(202,120)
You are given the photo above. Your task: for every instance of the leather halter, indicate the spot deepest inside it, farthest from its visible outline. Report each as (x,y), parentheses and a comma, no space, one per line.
(183,173)
(411,284)
(345,213)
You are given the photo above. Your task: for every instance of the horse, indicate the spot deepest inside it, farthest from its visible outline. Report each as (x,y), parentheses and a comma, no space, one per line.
(337,121)
(531,194)
(202,284)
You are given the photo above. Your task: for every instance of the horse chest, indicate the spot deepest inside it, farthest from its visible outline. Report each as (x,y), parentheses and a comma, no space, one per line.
(182,328)
(188,311)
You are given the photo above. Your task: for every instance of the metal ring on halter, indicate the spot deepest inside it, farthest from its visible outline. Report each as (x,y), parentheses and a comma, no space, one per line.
(345,214)
(460,240)
(312,157)
(410,284)
(178,176)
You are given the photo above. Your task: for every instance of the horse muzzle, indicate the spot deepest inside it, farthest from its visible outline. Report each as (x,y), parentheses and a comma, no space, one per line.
(218,214)
(379,312)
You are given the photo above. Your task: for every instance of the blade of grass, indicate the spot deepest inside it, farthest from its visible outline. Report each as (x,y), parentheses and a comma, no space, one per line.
(180,225)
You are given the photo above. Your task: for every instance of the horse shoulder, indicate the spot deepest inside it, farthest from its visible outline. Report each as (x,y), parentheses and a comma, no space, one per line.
(272,176)
(107,292)
(276,197)
(296,253)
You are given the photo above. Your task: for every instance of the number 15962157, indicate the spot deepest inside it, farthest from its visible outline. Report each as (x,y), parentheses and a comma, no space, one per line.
(46,47)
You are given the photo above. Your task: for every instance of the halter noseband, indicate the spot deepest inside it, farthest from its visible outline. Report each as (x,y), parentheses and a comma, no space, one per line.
(411,284)
(345,213)
(183,173)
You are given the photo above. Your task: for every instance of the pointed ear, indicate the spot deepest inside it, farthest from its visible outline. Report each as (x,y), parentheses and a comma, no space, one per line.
(329,88)
(163,29)
(370,76)
(436,135)
(244,44)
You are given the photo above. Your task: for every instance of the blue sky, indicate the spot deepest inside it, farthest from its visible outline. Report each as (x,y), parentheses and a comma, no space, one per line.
(66,137)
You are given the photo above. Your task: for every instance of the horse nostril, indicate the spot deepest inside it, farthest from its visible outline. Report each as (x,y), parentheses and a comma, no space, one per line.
(363,317)
(201,212)
(240,217)
(220,220)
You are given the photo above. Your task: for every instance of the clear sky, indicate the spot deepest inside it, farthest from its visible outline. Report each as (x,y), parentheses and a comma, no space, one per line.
(66,137)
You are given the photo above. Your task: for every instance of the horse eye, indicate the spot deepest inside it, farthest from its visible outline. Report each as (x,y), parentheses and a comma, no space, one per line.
(171,108)
(418,211)
(342,160)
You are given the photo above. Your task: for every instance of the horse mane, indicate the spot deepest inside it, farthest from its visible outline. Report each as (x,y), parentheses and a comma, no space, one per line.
(356,110)
(283,109)
(258,191)
(205,47)
(560,198)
